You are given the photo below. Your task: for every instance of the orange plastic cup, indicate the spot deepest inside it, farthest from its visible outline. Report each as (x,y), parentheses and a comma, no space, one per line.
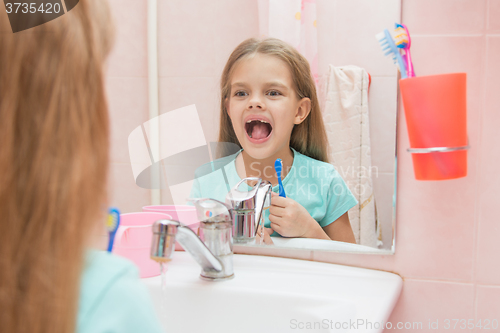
(436,117)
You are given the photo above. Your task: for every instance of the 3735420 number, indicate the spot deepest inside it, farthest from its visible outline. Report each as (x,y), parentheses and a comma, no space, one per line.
(32,8)
(485,324)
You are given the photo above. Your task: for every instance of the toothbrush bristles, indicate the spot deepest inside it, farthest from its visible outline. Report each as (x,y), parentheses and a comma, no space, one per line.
(401,38)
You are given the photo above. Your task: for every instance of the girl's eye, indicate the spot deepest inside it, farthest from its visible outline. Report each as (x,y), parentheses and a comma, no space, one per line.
(274,93)
(240,93)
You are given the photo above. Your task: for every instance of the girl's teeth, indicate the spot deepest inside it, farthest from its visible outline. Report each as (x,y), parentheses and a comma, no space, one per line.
(262,121)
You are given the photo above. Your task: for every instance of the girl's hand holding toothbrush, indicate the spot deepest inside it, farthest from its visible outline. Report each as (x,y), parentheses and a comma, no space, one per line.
(291,219)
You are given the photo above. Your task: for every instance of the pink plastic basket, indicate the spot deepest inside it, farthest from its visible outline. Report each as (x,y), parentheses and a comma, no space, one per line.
(133,240)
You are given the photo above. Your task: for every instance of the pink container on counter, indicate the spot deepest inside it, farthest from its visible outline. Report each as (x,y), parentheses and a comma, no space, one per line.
(133,240)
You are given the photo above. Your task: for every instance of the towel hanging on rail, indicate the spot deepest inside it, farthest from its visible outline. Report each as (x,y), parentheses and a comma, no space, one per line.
(347,125)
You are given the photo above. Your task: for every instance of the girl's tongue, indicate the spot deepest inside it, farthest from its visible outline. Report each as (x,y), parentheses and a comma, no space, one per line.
(260,131)
(257,129)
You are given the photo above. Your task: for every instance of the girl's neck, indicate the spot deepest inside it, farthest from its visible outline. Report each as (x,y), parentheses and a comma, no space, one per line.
(247,166)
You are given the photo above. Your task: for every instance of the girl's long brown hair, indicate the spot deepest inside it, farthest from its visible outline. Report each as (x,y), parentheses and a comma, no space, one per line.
(53,164)
(309,137)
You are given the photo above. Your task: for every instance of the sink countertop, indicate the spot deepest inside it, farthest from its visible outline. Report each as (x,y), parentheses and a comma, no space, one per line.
(269,294)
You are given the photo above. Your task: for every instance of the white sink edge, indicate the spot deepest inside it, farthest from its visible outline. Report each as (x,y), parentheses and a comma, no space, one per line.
(374,293)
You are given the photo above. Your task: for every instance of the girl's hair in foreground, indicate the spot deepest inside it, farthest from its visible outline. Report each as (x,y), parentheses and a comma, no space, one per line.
(309,137)
(53,163)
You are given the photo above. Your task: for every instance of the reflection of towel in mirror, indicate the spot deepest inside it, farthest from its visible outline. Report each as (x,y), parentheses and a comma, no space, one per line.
(347,126)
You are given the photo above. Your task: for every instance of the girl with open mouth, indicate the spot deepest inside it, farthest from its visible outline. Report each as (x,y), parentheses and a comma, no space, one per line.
(269,110)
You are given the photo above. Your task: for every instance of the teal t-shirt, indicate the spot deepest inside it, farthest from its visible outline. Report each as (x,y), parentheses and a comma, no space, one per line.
(316,185)
(112,297)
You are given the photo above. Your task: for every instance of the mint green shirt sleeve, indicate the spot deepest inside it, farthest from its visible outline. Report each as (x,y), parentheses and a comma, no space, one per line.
(113,299)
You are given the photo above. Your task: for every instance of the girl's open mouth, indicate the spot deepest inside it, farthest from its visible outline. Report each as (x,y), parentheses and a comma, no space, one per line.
(258,131)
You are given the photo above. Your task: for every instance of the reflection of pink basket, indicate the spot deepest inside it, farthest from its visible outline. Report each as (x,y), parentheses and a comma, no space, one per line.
(182,213)
(133,240)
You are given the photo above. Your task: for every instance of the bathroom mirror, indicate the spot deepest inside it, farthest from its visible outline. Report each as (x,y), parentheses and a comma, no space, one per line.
(195,39)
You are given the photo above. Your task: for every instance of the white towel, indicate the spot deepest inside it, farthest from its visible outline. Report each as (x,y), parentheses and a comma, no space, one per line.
(347,126)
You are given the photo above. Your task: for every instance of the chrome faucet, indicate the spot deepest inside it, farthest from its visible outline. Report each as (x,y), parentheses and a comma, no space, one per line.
(247,208)
(220,225)
(213,250)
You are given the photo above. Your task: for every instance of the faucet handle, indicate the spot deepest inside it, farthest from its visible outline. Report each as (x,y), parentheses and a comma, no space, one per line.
(211,210)
(238,199)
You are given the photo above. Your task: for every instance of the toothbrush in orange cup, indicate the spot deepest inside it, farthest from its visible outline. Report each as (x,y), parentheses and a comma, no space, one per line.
(403,41)
(389,47)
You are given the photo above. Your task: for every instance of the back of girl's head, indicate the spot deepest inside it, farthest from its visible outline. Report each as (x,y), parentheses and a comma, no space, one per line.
(53,163)
(309,137)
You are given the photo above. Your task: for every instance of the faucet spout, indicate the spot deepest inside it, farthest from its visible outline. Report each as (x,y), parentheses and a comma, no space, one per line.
(212,249)
(166,232)
(198,250)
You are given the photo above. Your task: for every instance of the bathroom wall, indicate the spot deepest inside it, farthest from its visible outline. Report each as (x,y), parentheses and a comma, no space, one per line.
(193,45)
(447,232)
(207,32)
(447,247)
(127,92)
(349,39)
(196,37)
(447,237)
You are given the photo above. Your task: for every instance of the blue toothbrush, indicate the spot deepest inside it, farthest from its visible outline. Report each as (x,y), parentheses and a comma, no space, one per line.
(112,225)
(278,166)
(389,47)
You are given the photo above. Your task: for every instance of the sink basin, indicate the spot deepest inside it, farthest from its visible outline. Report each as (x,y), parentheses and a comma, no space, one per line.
(269,294)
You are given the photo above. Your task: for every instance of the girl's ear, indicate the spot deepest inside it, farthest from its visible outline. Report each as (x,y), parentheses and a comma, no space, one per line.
(303,110)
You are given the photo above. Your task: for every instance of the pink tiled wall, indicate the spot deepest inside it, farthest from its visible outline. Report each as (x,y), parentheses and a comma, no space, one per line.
(207,32)
(346,36)
(127,92)
(447,247)
(195,38)
(447,232)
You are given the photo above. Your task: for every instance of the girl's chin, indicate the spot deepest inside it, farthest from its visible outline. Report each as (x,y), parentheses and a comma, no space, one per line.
(260,149)
(257,148)
(259,152)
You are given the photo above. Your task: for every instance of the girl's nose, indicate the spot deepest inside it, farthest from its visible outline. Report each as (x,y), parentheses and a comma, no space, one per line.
(256,102)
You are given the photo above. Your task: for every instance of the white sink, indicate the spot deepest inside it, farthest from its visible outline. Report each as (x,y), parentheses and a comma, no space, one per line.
(271,294)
